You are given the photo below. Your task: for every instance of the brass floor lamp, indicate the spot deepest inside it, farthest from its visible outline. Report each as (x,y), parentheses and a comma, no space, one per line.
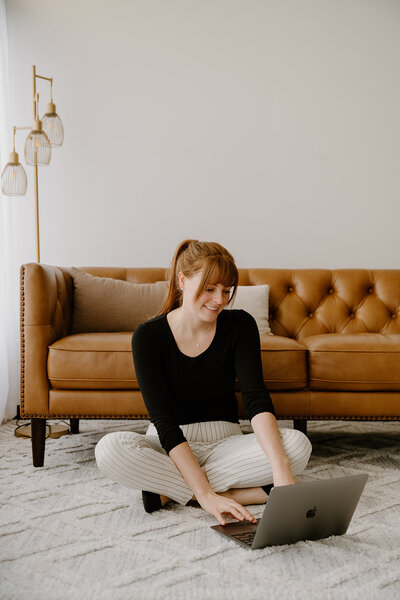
(44,134)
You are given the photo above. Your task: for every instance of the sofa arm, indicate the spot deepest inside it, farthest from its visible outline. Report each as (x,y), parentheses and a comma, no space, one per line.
(45,310)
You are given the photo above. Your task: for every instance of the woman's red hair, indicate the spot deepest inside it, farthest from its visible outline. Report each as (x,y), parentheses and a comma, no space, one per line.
(192,256)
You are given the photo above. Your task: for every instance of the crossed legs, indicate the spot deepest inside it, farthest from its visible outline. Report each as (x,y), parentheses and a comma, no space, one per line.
(235,466)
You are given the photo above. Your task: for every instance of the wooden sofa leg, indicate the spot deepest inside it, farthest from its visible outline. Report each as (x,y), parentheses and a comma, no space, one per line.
(74,425)
(300,425)
(38,430)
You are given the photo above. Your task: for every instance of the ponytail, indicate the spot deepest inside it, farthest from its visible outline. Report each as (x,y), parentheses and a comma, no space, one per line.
(174,296)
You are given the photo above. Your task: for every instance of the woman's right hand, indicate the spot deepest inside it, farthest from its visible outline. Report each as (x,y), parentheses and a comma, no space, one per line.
(196,478)
(218,505)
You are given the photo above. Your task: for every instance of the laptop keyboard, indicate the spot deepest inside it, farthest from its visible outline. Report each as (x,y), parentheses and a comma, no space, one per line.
(247,538)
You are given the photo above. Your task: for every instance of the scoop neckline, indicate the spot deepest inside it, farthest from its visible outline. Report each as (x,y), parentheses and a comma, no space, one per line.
(201,353)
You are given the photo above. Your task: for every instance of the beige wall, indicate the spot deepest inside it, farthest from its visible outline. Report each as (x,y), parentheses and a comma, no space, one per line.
(270,126)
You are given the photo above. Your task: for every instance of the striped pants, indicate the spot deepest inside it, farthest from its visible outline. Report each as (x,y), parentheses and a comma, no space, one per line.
(230,458)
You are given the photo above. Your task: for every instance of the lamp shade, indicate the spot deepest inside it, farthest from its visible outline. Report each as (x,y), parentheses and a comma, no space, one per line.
(52,125)
(37,144)
(13,178)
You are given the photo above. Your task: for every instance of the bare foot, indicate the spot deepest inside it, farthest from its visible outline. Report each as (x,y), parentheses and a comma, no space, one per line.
(165,500)
(245,496)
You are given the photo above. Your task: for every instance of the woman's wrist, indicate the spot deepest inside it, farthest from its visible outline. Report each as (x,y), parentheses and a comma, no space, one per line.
(190,470)
(282,473)
(204,495)
(280,462)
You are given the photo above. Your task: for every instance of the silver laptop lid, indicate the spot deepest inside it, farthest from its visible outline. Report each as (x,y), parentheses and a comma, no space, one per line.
(309,511)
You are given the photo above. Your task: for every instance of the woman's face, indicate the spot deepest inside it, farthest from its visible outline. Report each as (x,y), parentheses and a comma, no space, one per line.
(212,300)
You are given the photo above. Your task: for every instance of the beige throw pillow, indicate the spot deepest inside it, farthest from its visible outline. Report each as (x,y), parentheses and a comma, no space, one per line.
(254,300)
(106,304)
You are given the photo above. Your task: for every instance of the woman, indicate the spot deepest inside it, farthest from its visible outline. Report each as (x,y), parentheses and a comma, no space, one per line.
(186,361)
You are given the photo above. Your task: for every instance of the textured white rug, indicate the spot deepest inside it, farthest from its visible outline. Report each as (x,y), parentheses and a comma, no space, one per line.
(68,533)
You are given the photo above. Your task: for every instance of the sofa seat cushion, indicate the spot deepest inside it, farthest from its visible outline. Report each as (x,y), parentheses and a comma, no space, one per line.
(357,362)
(284,363)
(92,361)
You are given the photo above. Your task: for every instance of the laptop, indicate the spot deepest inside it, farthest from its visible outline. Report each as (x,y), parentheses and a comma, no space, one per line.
(304,511)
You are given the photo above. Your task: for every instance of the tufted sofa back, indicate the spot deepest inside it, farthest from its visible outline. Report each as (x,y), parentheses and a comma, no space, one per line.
(305,302)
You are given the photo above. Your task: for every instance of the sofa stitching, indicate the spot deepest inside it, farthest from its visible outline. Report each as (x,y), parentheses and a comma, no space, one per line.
(89,351)
(347,309)
(353,418)
(52,378)
(386,325)
(377,352)
(297,333)
(130,351)
(350,381)
(363,301)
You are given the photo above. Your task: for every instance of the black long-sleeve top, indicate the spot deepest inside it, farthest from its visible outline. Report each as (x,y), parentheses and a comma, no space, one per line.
(178,389)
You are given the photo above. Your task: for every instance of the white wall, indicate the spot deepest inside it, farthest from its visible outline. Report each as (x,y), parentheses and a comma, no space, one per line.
(270,126)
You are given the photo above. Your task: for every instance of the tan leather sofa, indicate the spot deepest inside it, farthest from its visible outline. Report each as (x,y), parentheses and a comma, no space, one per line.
(335,352)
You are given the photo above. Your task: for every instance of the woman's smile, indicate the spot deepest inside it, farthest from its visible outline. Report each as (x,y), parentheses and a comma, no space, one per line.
(213,309)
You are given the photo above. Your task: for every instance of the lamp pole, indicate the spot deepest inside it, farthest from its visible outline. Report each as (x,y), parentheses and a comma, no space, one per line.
(36,187)
(35,172)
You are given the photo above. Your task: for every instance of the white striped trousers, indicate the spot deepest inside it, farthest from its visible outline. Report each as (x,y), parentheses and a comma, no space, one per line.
(231,459)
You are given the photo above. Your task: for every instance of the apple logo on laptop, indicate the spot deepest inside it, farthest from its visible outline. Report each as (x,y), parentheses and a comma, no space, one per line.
(311,513)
